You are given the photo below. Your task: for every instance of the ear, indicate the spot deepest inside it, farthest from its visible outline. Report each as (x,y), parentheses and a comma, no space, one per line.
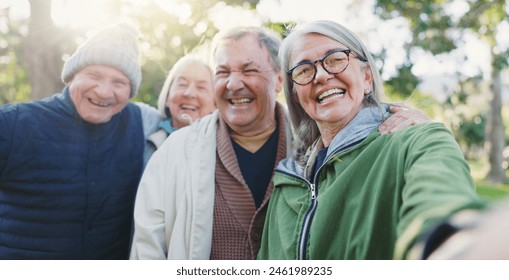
(368,80)
(279,82)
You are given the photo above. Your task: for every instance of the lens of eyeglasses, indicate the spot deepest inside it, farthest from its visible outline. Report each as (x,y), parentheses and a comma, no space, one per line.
(303,73)
(333,63)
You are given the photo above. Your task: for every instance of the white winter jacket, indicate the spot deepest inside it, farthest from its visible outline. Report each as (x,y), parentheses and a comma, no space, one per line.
(174,207)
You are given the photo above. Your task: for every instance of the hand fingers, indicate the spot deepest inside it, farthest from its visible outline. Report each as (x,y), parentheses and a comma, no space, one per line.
(398,107)
(402,117)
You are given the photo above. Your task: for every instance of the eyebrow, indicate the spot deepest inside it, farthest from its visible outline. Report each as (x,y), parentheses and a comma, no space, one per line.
(179,78)
(243,66)
(198,81)
(202,82)
(324,54)
(250,63)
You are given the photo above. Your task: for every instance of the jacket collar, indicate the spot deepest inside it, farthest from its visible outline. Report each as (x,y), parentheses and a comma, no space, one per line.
(365,122)
(66,103)
(167,126)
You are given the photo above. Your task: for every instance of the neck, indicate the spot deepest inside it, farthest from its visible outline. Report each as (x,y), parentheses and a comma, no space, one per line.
(252,141)
(328,133)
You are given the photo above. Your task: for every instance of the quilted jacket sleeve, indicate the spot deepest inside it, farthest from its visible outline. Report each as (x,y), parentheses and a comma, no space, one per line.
(8,114)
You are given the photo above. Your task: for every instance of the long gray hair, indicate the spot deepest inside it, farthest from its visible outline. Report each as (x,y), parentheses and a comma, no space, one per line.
(306,129)
(164,111)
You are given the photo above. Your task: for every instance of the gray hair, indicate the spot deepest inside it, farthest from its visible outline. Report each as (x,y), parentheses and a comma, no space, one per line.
(165,91)
(306,129)
(266,38)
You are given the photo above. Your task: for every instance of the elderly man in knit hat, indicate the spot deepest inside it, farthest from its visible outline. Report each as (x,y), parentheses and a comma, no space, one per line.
(70,164)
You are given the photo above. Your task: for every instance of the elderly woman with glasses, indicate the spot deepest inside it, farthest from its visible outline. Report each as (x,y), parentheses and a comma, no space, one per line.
(349,192)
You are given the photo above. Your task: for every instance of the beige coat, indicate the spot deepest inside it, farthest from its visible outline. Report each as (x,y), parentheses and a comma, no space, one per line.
(175,199)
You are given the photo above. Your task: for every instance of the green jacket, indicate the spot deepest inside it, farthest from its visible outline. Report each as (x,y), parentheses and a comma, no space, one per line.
(372,201)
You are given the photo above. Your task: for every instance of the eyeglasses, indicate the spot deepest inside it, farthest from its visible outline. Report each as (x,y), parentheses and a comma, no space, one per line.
(333,63)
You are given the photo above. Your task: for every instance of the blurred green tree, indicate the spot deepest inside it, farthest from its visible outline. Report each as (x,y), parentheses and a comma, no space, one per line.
(13,76)
(434,29)
(32,51)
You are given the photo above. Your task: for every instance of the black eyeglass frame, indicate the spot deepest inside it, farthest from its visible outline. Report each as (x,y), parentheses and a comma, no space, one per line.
(313,63)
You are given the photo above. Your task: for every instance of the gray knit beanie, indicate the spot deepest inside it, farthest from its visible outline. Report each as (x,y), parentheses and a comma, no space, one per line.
(115,46)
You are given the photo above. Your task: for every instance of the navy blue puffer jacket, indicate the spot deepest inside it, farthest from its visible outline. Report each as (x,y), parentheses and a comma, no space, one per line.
(67,187)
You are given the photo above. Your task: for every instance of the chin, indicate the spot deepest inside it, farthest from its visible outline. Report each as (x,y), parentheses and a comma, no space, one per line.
(96,120)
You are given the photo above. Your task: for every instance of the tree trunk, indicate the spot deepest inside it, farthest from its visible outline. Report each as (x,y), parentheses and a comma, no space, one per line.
(495,131)
(43,51)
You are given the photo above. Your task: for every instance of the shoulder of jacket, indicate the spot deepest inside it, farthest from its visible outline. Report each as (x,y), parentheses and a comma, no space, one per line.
(206,125)
(201,130)
(422,129)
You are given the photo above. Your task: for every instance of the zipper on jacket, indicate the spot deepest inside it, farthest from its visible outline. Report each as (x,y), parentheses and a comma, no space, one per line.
(306,225)
(308,217)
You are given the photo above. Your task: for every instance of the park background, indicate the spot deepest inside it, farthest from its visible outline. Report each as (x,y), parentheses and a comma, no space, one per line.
(448,58)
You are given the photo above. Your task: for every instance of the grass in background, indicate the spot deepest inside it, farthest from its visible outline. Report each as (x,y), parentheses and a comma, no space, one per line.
(484,188)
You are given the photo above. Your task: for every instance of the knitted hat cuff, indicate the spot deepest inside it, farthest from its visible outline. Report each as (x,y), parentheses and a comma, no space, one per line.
(116,47)
(104,56)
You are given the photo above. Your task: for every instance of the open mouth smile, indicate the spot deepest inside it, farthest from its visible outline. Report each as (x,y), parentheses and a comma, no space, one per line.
(240,101)
(189,108)
(331,93)
(98,103)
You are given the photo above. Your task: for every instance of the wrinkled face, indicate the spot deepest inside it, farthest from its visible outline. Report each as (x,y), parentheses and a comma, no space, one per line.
(332,100)
(191,95)
(245,84)
(99,92)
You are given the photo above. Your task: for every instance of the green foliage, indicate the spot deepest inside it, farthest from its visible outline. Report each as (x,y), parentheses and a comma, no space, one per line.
(483,17)
(465,115)
(402,85)
(245,3)
(168,38)
(167,35)
(471,131)
(501,61)
(424,102)
(435,30)
(282,28)
(14,85)
(427,20)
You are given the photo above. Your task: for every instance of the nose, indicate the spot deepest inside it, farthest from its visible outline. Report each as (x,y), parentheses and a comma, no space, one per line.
(104,89)
(190,92)
(321,74)
(235,81)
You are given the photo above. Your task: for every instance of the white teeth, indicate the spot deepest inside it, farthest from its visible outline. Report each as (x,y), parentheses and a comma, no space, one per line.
(98,103)
(241,100)
(188,107)
(328,93)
